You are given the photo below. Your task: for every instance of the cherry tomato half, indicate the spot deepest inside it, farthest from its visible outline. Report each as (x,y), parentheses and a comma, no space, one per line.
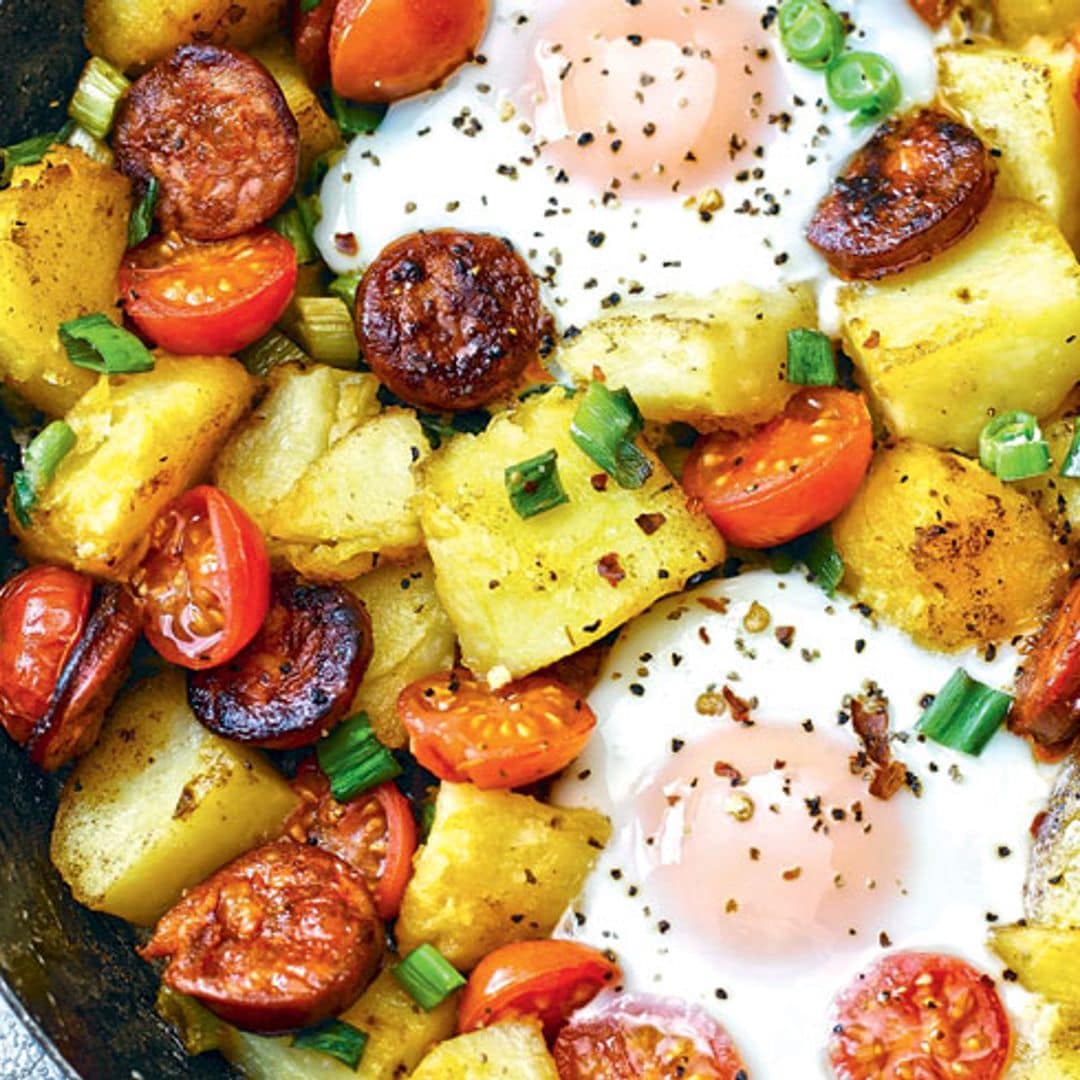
(545,979)
(789,476)
(375,832)
(919,1014)
(623,1035)
(43,613)
(208,298)
(460,729)
(383,50)
(205,580)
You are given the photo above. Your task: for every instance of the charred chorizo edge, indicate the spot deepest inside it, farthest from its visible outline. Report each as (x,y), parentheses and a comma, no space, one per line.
(449,320)
(213,127)
(915,189)
(299,675)
(280,938)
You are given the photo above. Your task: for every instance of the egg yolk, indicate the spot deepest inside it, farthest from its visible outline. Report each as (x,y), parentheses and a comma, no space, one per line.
(762,841)
(657,96)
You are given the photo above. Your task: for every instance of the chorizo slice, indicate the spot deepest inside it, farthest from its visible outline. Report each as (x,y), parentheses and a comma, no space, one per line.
(449,320)
(298,676)
(89,681)
(280,938)
(213,127)
(916,188)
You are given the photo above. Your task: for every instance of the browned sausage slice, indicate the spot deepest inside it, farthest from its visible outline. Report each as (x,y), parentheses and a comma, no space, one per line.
(917,187)
(299,675)
(280,938)
(89,681)
(449,320)
(214,128)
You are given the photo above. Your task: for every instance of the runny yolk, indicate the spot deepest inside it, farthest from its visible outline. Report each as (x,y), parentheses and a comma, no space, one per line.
(762,842)
(657,97)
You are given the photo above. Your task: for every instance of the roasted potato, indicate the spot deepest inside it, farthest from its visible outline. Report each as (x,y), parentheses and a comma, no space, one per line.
(50,218)
(1017,20)
(988,326)
(1052,889)
(1045,959)
(946,551)
(1049,1045)
(698,359)
(506,1051)
(524,592)
(496,868)
(160,803)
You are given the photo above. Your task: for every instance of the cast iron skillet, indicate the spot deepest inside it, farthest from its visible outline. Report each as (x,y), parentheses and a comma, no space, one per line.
(72,975)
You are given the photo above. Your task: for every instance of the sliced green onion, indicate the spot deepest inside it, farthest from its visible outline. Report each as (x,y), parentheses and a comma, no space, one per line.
(271,351)
(40,460)
(604,427)
(344,287)
(90,145)
(1012,447)
(824,562)
(309,5)
(427,817)
(811,32)
(141,222)
(355,118)
(810,358)
(323,327)
(336,1038)
(965,714)
(96,98)
(28,152)
(866,84)
(96,343)
(290,223)
(354,759)
(1070,467)
(428,976)
(534,485)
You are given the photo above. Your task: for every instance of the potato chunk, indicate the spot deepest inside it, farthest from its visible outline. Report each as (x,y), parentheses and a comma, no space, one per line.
(988,326)
(946,551)
(142,440)
(159,804)
(1017,20)
(496,868)
(1046,959)
(507,1051)
(698,359)
(51,218)
(1048,1047)
(523,593)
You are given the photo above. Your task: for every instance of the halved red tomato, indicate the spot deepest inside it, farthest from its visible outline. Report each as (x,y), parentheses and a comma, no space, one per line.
(375,832)
(460,729)
(790,475)
(543,979)
(208,298)
(628,1035)
(205,580)
(919,1014)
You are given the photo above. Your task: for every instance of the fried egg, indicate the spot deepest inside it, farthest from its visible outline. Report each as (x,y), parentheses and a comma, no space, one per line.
(750,870)
(625,149)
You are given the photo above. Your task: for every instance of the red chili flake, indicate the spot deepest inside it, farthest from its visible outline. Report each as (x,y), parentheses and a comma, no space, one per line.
(599,481)
(785,635)
(610,570)
(1037,822)
(598,374)
(740,708)
(346,243)
(718,604)
(888,780)
(649,523)
(870,719)
(726,771)
(873,341)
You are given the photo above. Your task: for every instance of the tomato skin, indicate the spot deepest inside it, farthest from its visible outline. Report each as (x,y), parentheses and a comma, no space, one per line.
(545,979)
(750,486)
(260,268)
(927,1012)
(43,612)
(384,50)
(311,40)
(460,730)
(203,545)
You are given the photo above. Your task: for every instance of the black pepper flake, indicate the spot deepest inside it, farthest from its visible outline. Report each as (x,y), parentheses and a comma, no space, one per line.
(637,689)
(677,745)
(595,238)
(585,139)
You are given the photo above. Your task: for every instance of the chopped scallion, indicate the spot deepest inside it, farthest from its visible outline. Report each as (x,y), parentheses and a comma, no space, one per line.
(604,427)
(354,760)
(323,327)
(336,1038)
(344,286)
(824,562)
(28,152)
(90,145)
(428,976)
(96,98)
(271,351)
(290,224)
(141,222)
(866,84)
(1070,467)
(40,460)
(534,485)
(96,343)
(965,714)
(355,118)
(810,358)
(1012,447)
(811,32)
(309,5)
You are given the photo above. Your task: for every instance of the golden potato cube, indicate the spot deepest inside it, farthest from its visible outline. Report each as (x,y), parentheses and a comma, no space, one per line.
(326,562)
(1017,20)
(133,34)
(496,868)
(508,1051)
(1048,1046)
(413,638)
(698,359)
(523,593)
(943,549)
(1021,105)
(1045,958)
(159,804)
(988,326)
(141,441)
(51,217)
